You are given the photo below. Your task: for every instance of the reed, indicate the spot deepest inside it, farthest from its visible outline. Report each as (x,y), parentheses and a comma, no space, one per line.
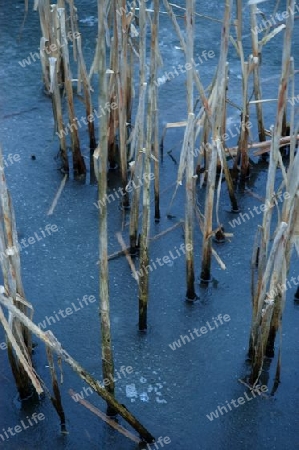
(273,264)
(101,170)
(56,397)
(256,60)
(121,36)
(19,342)
(144,243)
(138,133)
(189,143)
(243,138)
(57,111)
(156,59)
(217,106)
(51,341)
(78,161)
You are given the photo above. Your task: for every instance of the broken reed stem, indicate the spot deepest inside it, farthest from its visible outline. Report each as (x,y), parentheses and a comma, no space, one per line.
(144,244)
(154,238)
(261,326)
(261,337)
(289,215)
(189,151)
(138,134)
(189,208)
(105,418)
(57,111)
(22,369)
(154,50)
(87,96)
(113,114)
(45,21)
(20,344)
(228,178)
(55,345)
(107,355)
(275,149)
(121,34)
(56,398)
(243,140)
(256,59)
(78,161)
(293,132)
(73,16)
(212,168)
(57,196)
(208,224)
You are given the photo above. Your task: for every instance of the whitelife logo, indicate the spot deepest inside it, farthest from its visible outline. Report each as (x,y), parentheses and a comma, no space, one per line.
(258,209)
(129,188)
(52,48)
(168,260)
(87,391)
(12,431)
(274,20)
(259,390)
(63,313)
(183,68)
(200,331)
(25,242)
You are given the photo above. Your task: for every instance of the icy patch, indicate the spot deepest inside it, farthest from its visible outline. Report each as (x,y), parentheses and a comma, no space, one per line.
(90,20)
(144,397)
(143,392)
(131,391)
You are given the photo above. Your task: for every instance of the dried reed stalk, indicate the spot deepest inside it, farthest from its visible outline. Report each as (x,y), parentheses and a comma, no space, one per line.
(78,161)
(138,134)
(121,36)
(107,354)
(144,244)
(216,145)
(256,59)
(273,265)
(49,339)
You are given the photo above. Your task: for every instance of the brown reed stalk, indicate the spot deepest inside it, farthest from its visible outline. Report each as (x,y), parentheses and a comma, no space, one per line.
(256,60)
(243,138)
(78,161)
(265,305)
(263,324)
(137,144)
(107,354)
(293,132)
(49,339)
(138,134)
(189,143)
(121,34)
(228,177)
(57,111)
(155,52)
(56,397)
(113,121)
(87,95)
(44,18)
(19,344)
(144,243)
(216,145)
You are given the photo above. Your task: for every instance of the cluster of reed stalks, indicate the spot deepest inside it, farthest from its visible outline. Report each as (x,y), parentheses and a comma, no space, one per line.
(133,146)
(272,254)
